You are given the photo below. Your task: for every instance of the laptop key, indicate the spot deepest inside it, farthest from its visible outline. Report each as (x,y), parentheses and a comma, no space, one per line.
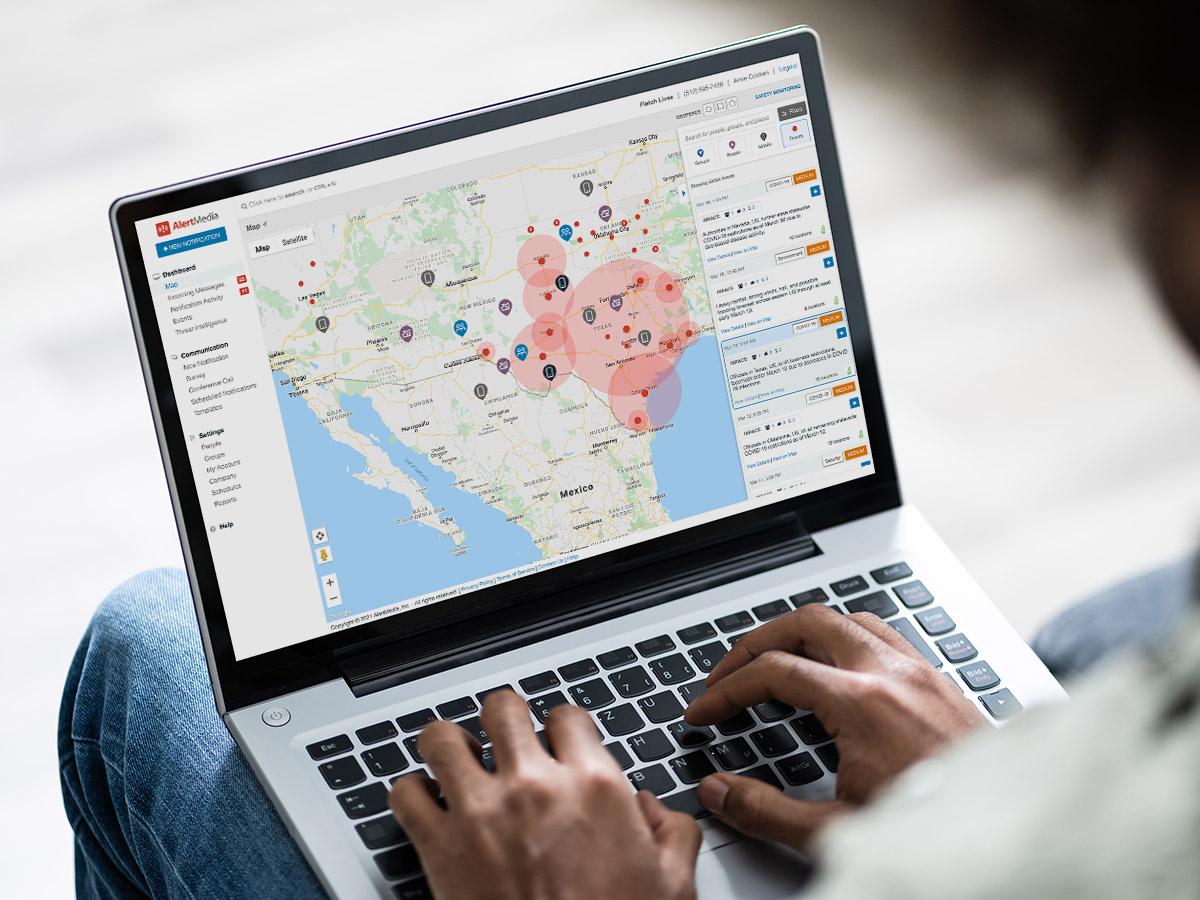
(979,676)
(673,669)
(655,645)
(733,640)
(652,778)
(385,760)
(957,648)
(1002,704)
(774,741)
(810,730)
(764,774)
(910,633)
(577,670)
(411,745)
(373,734)
(773,710)
(773,610)
(330,747)
(342,773)
(416,721)
(737,723)
(877,603)
(829,755)
(689,736)
(474,727)
(735,621)
(487,758)
(913,594)
(935,621)
(733,754)
(592,694)
(365,801)
(694,634)
(454,709)
(687,802)
(661,708)
(707,657)
(614,659)
(620,720)
(542,705)
(399,862)
(483,695)
(650,745)
(382,832)
(689,692)
(417,889)
(851,585)
(535,684)
(891,573)
(620,754)
(692,767)
(799,769)
(804,598)
(632,682)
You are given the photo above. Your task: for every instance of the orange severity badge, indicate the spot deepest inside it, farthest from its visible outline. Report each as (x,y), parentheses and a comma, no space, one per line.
(856,452)
(807,175)
(847,388)
(830,318)
(820,247)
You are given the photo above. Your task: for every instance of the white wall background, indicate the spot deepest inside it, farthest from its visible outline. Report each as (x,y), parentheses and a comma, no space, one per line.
(1045,419)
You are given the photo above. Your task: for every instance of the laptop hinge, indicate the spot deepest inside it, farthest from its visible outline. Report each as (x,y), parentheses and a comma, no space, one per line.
(401,660)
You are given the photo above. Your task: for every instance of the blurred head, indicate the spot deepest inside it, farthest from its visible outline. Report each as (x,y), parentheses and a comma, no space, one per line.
(1124,79)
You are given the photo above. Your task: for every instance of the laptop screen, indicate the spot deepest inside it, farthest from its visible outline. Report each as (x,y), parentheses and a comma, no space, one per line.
(408,380)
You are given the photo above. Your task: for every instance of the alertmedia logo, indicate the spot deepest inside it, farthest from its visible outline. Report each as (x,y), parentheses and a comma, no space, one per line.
(164,228)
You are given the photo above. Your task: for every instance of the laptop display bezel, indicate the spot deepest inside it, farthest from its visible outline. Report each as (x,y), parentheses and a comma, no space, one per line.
(239,683)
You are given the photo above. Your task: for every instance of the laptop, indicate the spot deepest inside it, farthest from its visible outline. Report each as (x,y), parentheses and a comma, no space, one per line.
(566,395)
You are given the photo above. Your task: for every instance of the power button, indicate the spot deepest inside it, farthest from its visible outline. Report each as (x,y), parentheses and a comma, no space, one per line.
(276,716)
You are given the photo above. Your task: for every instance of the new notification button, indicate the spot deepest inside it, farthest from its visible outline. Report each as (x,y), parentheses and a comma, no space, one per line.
(191,242)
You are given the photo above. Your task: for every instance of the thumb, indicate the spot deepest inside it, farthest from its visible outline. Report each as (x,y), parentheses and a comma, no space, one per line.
(761,811)
(677,836)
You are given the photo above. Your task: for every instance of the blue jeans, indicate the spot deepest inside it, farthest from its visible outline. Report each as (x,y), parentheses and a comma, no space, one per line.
(163,805)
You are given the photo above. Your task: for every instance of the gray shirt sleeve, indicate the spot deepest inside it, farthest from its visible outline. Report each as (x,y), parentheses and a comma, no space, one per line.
(1098,798)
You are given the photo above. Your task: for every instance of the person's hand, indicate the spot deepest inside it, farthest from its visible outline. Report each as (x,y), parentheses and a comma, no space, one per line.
(885,705)
(557,827)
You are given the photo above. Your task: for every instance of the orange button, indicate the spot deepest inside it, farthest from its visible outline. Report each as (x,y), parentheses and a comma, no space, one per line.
(856,452)
(821,247)
(830,318)
(847,388)
(801,177)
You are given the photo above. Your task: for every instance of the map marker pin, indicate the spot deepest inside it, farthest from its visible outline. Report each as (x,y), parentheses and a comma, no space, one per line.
(562,282)
(505,307)
(644,337)
(616,301)
(520,352)
(427,278)
(549,371)
(322,324)
(605,213)
(503,365)
(481,390)
(460,327)
(406,333)
(589,315)
(586,186)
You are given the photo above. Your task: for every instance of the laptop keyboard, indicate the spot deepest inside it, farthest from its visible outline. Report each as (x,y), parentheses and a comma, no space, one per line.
(637,695)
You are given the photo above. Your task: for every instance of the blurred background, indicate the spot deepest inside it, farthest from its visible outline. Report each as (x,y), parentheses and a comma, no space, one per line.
(1045,418)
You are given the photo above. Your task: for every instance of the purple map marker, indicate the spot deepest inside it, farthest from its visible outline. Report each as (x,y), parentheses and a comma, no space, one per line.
(732,144)
(503,365)
(406,333)
(616,301)
(505,307)
(605,213)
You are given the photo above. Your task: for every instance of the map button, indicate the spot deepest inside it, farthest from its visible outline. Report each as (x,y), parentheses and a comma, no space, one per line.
(329,586)
(320,536)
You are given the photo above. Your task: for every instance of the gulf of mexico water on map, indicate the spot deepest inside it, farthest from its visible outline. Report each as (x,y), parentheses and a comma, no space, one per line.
(696,462)
(377,561)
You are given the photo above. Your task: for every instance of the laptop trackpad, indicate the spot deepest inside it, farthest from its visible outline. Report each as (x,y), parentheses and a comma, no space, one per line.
(733,866)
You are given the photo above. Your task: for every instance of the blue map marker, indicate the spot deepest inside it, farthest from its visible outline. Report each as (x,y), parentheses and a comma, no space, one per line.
(520,352)
(460,327)
(565,232)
